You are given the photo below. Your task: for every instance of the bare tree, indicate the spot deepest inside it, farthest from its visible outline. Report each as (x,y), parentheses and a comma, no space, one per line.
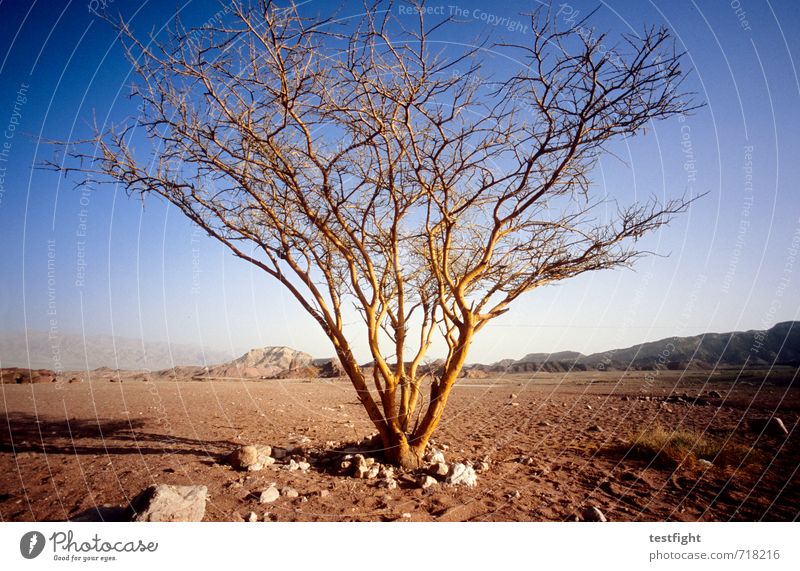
(354,164)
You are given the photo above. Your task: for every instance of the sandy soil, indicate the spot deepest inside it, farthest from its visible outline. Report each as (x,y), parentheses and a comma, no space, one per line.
(66,449)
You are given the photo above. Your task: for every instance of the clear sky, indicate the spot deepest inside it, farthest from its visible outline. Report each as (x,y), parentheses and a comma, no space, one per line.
(97,262)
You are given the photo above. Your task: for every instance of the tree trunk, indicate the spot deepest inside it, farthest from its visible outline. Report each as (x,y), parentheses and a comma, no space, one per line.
(399,452)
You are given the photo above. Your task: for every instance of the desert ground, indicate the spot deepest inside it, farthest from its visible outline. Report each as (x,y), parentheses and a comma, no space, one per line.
(556,444)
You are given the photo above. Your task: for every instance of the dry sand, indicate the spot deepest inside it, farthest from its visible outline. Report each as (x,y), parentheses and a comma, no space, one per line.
(66,449)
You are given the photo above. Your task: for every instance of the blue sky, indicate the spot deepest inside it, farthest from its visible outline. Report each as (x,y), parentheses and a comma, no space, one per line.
(141,270)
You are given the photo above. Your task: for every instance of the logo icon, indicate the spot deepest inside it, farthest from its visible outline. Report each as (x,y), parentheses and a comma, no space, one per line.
(31,544)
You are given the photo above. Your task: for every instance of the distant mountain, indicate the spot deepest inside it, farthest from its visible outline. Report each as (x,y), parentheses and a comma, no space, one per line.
(73,352)
(778,345)
(266,362)
(543,357)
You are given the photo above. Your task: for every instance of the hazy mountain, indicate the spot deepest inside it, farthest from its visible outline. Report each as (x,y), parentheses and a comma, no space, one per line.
(73,352)
(263,362)
(778,345)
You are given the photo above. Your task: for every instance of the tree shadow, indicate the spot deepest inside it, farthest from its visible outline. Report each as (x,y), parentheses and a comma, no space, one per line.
(20,432)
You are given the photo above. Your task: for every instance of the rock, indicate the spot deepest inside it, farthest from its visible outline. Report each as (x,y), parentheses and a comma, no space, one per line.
(388,483)
(290,493)
(776,427)
(543,423)
(323,493)
(481,467)
(170,503)
(373,471)
(610,488)
(440,469)
(515,495)
(595,428)
(589,407)
(269,495)
(714,395)
(344,467)
(386,472)
(461,474)
(591,513)
(359,466)
(512,396)
(426,482)
(705,463)
(280,453)
(252,517)
(244,457)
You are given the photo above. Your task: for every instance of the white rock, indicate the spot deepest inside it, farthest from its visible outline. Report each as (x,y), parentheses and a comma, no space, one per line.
(170,503)
(290,493)
(437,457)
(269,495)
(252,517)
(441,469)
(426,482)
(373,471)
(461,474)
(388,483)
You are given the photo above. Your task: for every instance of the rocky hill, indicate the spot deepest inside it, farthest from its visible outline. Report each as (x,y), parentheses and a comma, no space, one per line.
(265,362)
(779,345)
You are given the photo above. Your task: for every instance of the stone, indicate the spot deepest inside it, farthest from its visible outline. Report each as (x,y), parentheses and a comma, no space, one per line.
(436,456)
(269,495)
(591,513)
(714,395)
(243,457)
(388,483)
(461,474)
(386,472)
(595,428)
(776,427)
(280,453)
(170,503)
(359,466)
(481,467)
(252,517)
(543,423)
(373,471)
(426,482)
(515,495)
(705,463)
(290,493)
(440,469)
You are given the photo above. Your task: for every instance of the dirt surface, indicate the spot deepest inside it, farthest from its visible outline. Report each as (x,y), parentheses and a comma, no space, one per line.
(557,443)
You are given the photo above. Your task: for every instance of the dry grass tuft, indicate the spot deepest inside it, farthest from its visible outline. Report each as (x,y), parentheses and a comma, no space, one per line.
(672,448)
